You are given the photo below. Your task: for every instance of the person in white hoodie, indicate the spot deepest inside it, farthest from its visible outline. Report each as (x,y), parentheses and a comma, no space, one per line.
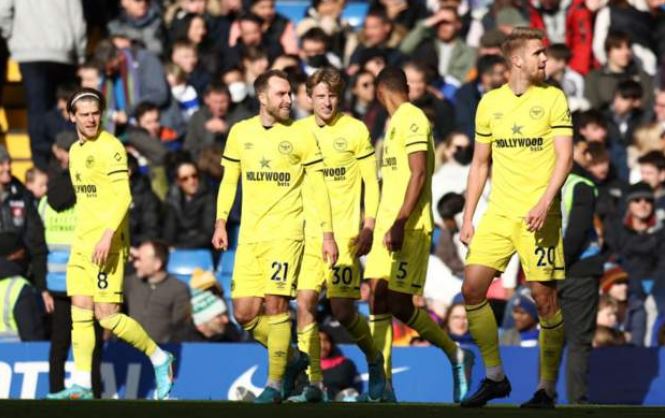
(47,38)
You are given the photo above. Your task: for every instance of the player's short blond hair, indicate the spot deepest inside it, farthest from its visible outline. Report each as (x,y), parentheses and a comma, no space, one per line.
(518,38)
(329,76)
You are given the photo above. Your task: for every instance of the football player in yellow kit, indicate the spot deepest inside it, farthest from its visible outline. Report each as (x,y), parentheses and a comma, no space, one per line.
(524,129)
(348,165)
(95,272)
(273,155)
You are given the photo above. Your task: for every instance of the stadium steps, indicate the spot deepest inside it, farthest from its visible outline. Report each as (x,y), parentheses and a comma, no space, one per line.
(14,121)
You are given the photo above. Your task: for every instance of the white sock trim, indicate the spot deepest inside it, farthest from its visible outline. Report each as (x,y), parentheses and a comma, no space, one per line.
(158,357)
(495,373)
(82,378)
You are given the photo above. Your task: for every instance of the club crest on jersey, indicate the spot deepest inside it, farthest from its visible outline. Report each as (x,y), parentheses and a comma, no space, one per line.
(536,112)
(117,156)
(413,128)
(285,147)
(90,161)
(248,145)
(340,144)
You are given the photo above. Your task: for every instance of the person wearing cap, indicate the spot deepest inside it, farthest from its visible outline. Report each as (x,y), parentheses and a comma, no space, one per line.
(435,42)
(584,266)
(211,319)
(157,300)
(95,270)
(638,242)
(47,38)
(20,315)
(525,331)
(18,214)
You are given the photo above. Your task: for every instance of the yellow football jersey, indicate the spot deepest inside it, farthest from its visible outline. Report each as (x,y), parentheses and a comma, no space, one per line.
(409,131)
(521,130)
(272,165)
(96,166)
(343,144)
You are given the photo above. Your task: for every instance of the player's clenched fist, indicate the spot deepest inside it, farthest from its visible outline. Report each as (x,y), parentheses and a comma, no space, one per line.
(466,233)
(220,239)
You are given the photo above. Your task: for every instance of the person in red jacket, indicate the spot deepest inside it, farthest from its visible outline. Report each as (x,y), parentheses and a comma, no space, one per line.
(569,22)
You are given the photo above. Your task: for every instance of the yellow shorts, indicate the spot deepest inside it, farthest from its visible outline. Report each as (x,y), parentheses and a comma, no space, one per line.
(84,278)
(498,237)
(406,269)
(342,281)
(266,268)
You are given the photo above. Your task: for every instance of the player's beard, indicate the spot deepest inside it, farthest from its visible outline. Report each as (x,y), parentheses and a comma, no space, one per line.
(538,77)
(280,114)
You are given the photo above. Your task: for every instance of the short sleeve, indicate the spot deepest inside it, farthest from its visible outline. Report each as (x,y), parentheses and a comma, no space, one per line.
(560,120)
(231,151)
(117,164)
(363,146)
(483,129)
(416,131)
(310,155)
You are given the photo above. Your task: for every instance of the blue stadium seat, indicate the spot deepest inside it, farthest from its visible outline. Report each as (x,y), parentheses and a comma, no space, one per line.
(183,262)
(225,270)
(354,12)
(363,308)
(436,233)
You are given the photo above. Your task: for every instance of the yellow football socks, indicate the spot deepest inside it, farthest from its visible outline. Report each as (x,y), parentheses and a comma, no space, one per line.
(381,326)
(432,332)
(131,331)
(309,343)
(482,326)
(361,334)
(279,339)
(259,328)
(83,343)
(551,341)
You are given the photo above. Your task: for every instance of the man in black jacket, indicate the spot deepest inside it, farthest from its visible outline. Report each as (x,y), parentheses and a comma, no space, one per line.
(584,265)
(145,212)
(190,210)
(19,215)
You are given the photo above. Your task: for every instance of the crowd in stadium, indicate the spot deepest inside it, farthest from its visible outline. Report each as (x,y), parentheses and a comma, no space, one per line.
(177,75)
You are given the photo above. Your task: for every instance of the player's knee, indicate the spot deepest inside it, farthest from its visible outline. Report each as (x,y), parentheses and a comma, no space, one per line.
(471,294)
(275,305)
(401,305)
(343,312)
(546,303)
(244,316)
(105,310)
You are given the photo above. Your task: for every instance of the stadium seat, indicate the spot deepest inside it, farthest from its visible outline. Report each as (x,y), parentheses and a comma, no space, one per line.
(354,11)
(436,233)
(225,269)
(363,308)
(183,262)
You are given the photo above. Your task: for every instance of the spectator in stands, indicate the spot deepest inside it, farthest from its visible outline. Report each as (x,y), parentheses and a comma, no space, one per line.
(243,105)
(250,36)
(492,73)
(140,21)
(525,317)
(569,23)
(185,55)
(314,52)
(190,210)
(652,172)
(440,112)
(378,33)
(658,111)
(276,28)
(211,319)
(57,119)
(591,126)
(607,313)
(46,57)
(436,43)
(559,73)
(18,215)
(22,318)
(608,337)
(145,212)
(448,207)
(254,62)
(339,373)
(623,116)
(183,93)
(158,301)
(89,75)
(622,16)
(630,312)
(456,153)
(36,181)
(327,15)
(149,121)
(457,324)
(193,28)
(209,125)
(131,75)
(600,84)
(403,13)
(364,106)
